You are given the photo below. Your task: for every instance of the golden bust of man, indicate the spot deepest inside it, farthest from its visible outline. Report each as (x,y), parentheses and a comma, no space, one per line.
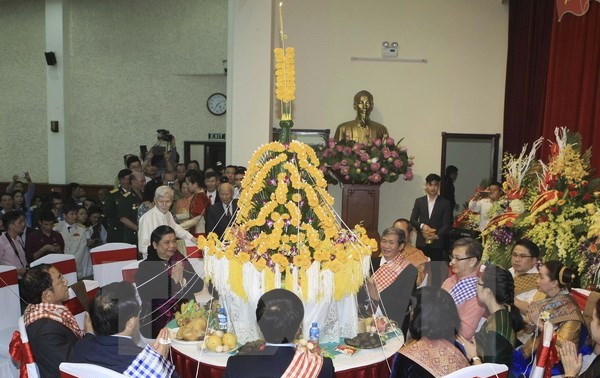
(362,129)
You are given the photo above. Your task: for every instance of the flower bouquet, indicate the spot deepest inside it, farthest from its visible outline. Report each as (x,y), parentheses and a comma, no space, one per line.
(356,163)
(559,211)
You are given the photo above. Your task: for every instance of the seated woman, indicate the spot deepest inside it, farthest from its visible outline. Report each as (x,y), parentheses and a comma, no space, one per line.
(163,280)
(572,362)
(431,353)
(552,303)
(496,339)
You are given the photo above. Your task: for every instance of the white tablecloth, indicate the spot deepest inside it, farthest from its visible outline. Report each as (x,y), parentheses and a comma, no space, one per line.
(341,362)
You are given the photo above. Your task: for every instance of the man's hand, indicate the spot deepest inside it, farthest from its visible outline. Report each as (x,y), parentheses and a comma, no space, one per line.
(27,177)
(15,177)
(87,323)
(162,348)
(372,289)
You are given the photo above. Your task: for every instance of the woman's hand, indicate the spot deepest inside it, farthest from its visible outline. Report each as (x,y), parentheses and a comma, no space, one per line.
(177,272)
(162,343)
(571,361)
(470,346)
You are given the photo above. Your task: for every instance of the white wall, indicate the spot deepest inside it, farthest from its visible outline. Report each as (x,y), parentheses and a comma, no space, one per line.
(459,90)
(133,67)
(23,90)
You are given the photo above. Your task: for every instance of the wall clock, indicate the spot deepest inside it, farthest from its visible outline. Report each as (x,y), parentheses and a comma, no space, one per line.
(217,104)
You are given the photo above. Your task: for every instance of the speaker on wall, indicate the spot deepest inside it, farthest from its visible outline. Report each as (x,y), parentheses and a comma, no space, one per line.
(50,58)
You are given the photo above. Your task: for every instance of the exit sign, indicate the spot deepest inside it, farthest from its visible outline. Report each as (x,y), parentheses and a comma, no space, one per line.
(216,136)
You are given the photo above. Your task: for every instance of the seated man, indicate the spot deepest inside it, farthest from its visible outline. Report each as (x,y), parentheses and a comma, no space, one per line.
(279,314)
(411,253)
(51,328)
(524,259)
(462,286)
(394,278)
(114,314)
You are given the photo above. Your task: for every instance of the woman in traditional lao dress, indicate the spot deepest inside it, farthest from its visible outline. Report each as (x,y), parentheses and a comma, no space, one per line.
(432,353)
(552,303)
(496,340)
(163,280)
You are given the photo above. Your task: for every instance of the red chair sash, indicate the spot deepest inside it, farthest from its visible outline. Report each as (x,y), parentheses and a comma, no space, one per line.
(129,275)
(8,278)
(193,252)
(75,306)
(65,266)
(107,257)
(20,353)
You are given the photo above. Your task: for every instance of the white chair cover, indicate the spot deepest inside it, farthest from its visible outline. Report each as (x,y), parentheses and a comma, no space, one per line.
(195,259)
(32,368)
(91,287)
(129,271)
(9,321)
(109,259)
(487,370)
(69,369)
(63,262)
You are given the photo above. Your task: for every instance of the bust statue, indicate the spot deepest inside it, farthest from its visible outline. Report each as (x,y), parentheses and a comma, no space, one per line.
(362,129)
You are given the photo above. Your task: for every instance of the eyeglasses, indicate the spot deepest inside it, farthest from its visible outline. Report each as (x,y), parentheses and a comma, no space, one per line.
(517,256)
(61,281)
(456,258)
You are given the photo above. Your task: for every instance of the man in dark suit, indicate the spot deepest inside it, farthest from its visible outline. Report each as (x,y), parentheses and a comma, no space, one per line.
(220,214)
(279,314)
(432,218)
(51,328)
(393,279)
(114,314)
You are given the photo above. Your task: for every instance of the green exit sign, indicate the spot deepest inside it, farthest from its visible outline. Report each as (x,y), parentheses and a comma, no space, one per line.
(216,136)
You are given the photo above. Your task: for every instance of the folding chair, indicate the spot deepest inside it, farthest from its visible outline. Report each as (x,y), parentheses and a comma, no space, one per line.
(109,259)
(63,262)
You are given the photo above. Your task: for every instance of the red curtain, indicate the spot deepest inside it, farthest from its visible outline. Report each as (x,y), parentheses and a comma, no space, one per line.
(553,75)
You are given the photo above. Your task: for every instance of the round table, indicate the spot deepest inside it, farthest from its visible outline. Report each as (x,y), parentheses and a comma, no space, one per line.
(190,362)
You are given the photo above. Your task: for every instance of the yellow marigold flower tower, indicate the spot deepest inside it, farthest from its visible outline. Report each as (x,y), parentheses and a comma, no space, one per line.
(287,235)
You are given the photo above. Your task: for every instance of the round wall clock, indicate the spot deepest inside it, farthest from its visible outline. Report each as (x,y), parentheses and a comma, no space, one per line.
(217,104)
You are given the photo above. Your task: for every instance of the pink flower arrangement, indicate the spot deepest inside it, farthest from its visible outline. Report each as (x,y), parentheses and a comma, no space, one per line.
(357,163)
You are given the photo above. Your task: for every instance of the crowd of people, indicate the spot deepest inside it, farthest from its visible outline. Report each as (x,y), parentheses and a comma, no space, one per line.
(490,314)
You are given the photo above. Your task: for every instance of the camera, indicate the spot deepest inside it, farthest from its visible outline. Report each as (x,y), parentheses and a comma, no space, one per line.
(170,184)
(164,135)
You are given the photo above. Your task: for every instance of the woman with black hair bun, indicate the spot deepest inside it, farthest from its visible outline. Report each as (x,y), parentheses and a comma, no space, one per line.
(554,304)
(496,339)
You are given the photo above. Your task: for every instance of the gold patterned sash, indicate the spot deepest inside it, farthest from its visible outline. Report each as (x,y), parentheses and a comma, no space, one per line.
(525,282)
(438,357)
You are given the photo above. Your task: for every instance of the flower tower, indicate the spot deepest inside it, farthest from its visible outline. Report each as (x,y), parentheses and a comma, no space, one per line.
(287,235)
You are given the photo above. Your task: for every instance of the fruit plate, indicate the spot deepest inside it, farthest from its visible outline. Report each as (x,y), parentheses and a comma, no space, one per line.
(173,332)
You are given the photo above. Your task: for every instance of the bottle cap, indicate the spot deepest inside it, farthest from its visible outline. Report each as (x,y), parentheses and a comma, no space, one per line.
(314,324)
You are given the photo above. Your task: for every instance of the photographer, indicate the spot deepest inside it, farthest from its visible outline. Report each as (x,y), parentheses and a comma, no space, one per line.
(163,154)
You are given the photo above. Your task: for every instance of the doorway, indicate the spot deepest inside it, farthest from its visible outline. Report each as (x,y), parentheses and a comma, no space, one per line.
(208,154)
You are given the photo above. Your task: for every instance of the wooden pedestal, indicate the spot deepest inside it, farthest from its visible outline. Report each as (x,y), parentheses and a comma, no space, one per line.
(360,203)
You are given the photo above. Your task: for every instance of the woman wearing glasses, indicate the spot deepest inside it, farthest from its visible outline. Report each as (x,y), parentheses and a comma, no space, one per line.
(496,339)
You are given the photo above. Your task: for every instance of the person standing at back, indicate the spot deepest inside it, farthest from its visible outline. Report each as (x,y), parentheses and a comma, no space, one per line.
(432,217)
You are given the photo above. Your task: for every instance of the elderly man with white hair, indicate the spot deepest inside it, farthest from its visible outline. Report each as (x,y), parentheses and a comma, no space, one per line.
(159,215)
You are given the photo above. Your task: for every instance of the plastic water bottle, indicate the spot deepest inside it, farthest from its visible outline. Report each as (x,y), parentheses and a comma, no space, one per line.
(222,318)
(313,333)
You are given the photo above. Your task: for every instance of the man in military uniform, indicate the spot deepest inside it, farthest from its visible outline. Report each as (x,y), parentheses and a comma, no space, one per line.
(128,207)
(113,226)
